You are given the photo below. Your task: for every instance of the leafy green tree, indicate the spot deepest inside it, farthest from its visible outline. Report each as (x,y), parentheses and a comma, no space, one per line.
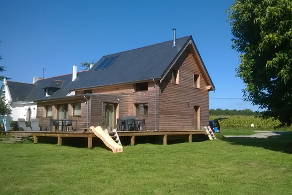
(262,31)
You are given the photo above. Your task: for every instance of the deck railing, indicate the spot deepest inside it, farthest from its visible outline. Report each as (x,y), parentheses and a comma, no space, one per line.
(63,125)
(131,124)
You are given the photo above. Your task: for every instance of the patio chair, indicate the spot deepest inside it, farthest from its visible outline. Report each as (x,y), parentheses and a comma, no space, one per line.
(35,126)
(22,125)
(68,124)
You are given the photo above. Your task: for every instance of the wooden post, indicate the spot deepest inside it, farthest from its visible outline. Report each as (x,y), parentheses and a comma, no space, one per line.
(89,142)
(190,138)
(59,141)
(132,140)
(165,139)
(35,139)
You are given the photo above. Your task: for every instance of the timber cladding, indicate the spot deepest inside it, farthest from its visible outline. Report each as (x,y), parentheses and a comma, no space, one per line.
(177,102)
(46,122)
(125,97)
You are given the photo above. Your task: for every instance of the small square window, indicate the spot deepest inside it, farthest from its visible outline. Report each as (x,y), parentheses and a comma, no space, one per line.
(141,110)
(196,78)
(77,109)
(141,86)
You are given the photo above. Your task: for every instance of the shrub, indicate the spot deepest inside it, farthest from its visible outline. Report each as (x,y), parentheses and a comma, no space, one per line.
(14,126)
(246,121)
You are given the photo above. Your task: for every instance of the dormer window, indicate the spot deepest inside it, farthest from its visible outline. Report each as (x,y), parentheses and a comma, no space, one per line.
(175,77)
(141,86)
(50,91)
(196,79)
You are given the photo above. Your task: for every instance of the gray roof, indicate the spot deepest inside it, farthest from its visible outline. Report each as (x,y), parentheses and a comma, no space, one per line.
(55,82)
(136,65)
(19,91)
(140,64)
(31,92)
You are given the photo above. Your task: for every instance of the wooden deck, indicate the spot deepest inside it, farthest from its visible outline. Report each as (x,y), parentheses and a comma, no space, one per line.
(89,135)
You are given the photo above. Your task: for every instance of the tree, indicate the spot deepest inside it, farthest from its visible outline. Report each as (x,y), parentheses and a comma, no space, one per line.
(262,34)
(4,108)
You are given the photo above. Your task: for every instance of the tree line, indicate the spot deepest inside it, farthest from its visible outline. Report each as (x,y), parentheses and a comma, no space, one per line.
(245,112)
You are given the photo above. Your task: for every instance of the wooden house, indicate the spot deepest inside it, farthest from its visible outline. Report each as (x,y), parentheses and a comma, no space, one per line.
(165,85)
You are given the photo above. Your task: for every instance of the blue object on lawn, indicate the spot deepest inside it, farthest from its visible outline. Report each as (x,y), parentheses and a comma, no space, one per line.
(216,130)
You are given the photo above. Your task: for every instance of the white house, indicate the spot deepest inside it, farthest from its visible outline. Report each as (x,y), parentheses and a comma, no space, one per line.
(16,96)
(21,96)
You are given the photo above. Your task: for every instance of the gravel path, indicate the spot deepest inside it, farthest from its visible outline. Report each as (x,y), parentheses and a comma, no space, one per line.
(261,134)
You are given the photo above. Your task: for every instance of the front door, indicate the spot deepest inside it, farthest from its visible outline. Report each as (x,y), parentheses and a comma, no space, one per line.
(197,117)
(110,116)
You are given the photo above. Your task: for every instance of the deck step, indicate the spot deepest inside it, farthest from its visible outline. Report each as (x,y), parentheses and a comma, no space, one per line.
(210,133)
(115,136)
(11,139)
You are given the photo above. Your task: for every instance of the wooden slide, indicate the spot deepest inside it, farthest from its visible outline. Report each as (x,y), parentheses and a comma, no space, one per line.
(107,139)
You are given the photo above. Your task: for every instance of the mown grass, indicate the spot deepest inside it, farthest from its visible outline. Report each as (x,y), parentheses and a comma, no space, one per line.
(228,166)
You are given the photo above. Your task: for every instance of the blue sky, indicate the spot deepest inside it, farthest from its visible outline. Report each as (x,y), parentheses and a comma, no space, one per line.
(55,34)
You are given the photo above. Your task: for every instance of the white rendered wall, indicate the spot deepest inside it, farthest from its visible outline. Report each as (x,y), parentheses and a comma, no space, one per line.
(20,111)
(33,108)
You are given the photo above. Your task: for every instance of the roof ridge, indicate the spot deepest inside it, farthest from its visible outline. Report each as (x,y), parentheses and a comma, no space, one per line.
(62,75)
(189,36)
(19,82)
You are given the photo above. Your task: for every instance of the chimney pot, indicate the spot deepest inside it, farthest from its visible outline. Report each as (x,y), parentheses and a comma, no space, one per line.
(74,73)
(174,37)
(36,79)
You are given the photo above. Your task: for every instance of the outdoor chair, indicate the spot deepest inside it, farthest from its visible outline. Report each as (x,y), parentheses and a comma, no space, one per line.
(35,126)
(22,125)
(68,124)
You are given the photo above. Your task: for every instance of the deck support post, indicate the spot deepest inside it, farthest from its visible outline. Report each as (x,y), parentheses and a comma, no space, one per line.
(89,142)
(132,140)
(165,139)
(35,139)
(59,141)
(190,138)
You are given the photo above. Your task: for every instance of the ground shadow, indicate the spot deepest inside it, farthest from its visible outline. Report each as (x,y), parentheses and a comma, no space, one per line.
(281,142)
(158,140)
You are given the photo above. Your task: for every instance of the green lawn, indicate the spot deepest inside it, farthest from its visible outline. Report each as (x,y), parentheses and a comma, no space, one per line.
(228,166)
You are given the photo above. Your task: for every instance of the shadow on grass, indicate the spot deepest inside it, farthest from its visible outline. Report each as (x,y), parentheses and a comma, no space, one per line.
(158,140)
(126,141)
(78,142)
(281,142)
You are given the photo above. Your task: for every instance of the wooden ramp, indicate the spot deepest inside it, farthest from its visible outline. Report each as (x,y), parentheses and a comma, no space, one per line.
(107,139)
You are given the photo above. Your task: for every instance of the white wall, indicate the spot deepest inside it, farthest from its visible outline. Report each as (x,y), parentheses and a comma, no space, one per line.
(19,111)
